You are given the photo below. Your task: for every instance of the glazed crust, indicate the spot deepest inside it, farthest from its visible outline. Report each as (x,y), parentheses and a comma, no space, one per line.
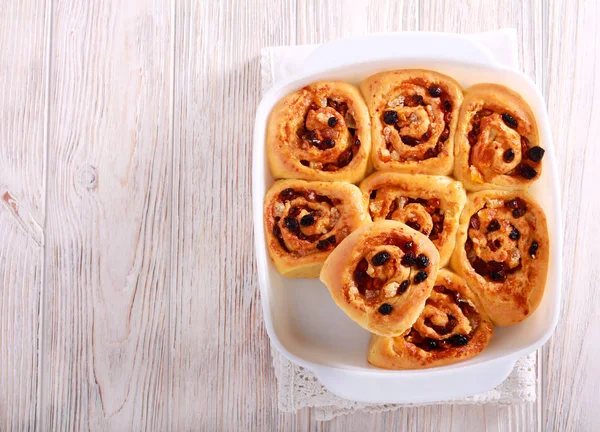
(370,291)
(296,248)
(497,255)
(426,104)
(321,132)
(430,204)
(453,327)
(494,137)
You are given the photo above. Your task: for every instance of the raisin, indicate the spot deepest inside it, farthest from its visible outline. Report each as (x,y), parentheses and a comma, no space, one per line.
(475,222)
(380,258)
(417,100)
(352,131)
(373,194)
(536,154)
(356,143)
(422,261)
(517,213)
(420,277)
(332,121)
(432,343)
(291,224)
(327,144)
(403,287)
(510,121)
(408,260)
(444,136)
(458,340)
(344,158)
(509,156)
(385,309)
(498,276)
(407,247)
(390,117)
(447,105)
(425,136)
(277,231)
(526,171)
(435,91)
(305,162)
(514,234)
(480,266)
(494,225)
(533,249)
(361,276)
(307,220)
(414,225)
(322,245)
(410,141)
(287,194)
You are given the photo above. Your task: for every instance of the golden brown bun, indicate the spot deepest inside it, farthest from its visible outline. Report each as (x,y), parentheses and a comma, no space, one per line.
(297,248)
(368,281)
(452,327)
(301,142)
(429,204)
(496,253)
(494,137)
(425,105)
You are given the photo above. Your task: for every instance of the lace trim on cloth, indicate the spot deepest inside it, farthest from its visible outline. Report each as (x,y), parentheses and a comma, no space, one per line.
(297,387)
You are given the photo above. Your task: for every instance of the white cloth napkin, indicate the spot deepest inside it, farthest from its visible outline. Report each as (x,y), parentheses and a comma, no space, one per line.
(297,387)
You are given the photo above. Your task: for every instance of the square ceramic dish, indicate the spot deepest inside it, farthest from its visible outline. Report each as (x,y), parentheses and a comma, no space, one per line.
(302,320)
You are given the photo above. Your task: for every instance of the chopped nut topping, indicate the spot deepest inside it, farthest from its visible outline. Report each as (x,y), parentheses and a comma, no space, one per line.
(395,155)
(376,206)
(323,118)
(399,101)
(279,208)
(391,289)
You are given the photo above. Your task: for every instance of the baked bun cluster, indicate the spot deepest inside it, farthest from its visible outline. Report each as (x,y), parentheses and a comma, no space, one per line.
(426,262)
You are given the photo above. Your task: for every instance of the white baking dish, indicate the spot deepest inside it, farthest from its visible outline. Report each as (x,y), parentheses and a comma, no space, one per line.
(301,318)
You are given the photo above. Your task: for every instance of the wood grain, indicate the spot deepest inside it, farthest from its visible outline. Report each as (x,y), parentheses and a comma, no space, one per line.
(222,378)
(128,292)
(106,339)
(570,373)
(23,67)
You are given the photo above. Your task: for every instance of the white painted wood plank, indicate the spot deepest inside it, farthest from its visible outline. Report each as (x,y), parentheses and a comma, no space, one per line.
(571,377)
(221,366)
(108,222)
(23,68)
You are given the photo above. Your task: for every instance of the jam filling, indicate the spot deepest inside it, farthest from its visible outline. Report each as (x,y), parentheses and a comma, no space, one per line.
(292,224)
(533,153)
(446,340)
(324,139)
(390,117)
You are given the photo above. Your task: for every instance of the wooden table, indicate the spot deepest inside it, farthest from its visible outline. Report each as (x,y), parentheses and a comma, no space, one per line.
(128,291)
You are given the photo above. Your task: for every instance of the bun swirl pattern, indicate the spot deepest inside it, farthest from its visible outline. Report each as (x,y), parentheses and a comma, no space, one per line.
(428,204)
(497,142)
(413,115)
(321,132)
(381,275)
(452,327)
(305,221)
(502,251)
